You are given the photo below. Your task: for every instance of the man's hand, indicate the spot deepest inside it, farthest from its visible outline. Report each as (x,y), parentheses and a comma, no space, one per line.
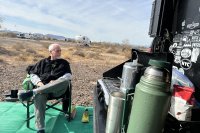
(51,81)
(40,84)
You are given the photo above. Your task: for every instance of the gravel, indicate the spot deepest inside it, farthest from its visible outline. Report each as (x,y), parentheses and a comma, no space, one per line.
(85,76)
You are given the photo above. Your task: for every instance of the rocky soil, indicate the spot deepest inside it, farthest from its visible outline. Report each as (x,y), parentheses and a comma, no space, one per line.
(85,75)
(87,64)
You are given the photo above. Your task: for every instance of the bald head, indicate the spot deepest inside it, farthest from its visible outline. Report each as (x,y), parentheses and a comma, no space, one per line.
(53,46)
(55,51)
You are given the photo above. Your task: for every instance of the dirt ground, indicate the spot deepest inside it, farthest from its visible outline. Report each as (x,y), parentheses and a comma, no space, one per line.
(87,64)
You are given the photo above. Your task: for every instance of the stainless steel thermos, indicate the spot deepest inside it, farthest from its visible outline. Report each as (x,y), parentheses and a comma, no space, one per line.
(151,99)
(115,112)
(129,76)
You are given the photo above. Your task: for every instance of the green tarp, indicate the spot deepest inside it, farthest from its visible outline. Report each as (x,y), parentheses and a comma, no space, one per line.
(13,115)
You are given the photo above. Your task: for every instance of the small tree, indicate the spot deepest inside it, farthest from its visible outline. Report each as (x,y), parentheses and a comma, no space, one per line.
(125,42)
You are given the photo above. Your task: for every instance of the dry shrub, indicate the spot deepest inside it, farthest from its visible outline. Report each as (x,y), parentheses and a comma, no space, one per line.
(70,49)
(45,45)
(35,58)
(125,47)
(28,50)
(106,44)
(127,54)
(79,53)
(114,48)
(1,60)
(126,50)
(39,56)
(7,34)
(18,47)
(66,55)
(3,51)
(43,52)
(21,57)
(91,54)
(111,50)
(28,57)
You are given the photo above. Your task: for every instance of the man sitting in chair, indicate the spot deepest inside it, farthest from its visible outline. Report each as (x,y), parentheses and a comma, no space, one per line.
(52,76)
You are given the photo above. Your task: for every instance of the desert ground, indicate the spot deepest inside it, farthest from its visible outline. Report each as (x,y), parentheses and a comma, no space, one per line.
(87,63)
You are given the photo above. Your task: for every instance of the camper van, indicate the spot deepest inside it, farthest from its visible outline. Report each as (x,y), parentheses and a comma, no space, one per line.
(84,40)
(25,35)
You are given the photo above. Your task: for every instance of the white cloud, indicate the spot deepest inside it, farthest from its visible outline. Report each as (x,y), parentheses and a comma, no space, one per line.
(26,29)
(100,20)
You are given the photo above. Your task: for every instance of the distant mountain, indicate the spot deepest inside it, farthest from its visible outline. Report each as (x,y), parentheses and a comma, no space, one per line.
(55,37)
(9,31)
(16,32)
(38,35)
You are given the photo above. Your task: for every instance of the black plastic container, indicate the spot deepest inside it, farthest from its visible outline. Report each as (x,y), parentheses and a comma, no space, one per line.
(172,125)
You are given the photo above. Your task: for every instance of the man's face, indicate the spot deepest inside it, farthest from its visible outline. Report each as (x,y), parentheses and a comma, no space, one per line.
(56,52)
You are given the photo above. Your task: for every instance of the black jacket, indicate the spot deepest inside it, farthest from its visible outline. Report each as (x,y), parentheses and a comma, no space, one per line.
(48,70)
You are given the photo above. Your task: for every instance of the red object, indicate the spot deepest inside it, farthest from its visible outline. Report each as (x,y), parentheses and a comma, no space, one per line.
(183,92)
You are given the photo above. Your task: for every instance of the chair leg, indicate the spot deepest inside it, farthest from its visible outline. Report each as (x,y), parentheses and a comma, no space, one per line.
(69,110)
(65,105)
(28,115)
(70,103)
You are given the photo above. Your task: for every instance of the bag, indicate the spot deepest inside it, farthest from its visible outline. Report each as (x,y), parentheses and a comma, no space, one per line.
(179,78)
(27,84)
(182,102)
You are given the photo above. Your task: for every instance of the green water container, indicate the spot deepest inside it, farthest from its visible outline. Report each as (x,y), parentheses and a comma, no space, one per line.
(151,99)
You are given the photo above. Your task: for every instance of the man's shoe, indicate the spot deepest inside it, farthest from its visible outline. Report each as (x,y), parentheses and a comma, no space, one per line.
(25,95)
(40,131)
(73,112)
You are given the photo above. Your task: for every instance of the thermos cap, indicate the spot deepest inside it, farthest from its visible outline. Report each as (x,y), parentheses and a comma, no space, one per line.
(159,70)
(159,63)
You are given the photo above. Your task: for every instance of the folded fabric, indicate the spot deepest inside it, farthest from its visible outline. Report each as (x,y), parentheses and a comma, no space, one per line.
(85,117)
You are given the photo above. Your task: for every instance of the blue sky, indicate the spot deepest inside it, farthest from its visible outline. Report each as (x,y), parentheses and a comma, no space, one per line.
(100,20)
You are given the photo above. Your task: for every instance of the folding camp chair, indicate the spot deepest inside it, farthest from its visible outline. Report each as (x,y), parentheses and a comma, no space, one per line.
(66,104)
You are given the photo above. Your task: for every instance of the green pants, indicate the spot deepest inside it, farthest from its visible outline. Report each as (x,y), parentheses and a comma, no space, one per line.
(56,89)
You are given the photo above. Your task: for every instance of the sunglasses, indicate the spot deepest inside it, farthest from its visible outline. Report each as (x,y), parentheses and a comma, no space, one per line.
(58,50)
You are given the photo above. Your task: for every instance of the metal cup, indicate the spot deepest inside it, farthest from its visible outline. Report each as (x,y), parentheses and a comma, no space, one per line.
(115,112)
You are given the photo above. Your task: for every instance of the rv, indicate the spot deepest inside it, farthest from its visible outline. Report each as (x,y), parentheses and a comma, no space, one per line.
(25,35)
(84,40)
